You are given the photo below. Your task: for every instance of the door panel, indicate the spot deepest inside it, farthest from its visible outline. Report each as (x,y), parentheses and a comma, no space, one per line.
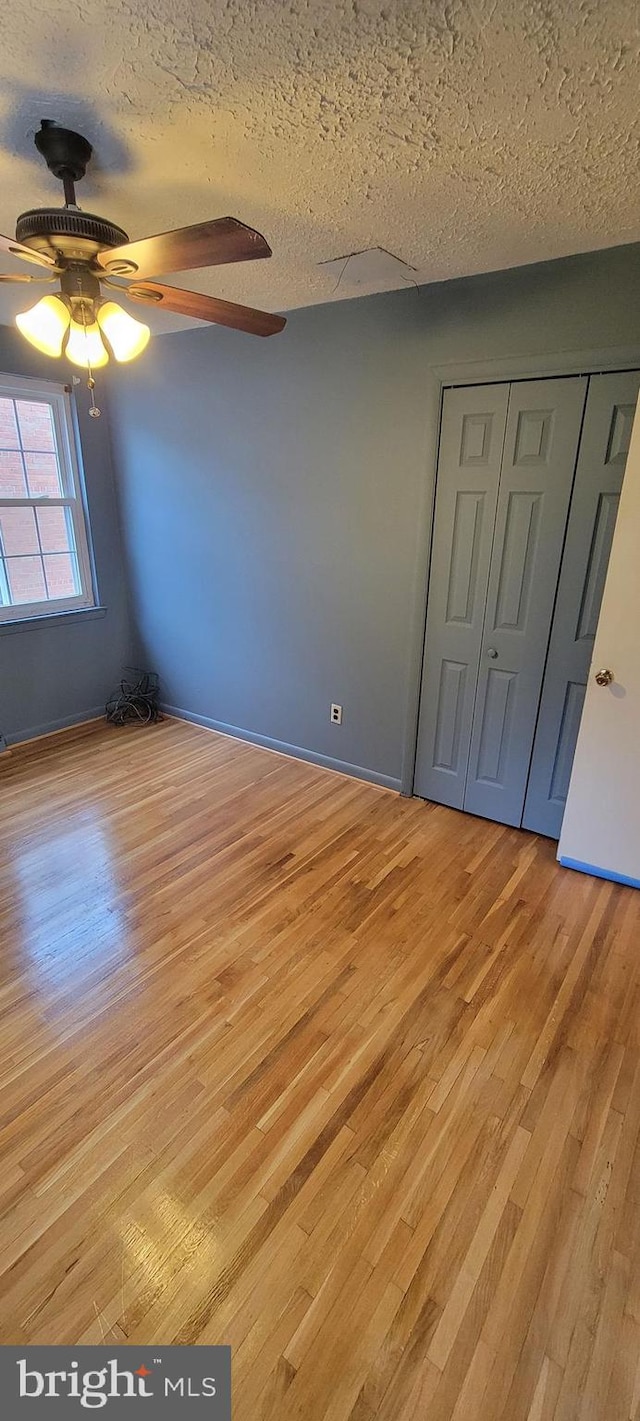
(465,552)
(496,725)
(518,559)
(599,549)
(450,705)
(601,462)
(541,442)
(569,726)
(471,443)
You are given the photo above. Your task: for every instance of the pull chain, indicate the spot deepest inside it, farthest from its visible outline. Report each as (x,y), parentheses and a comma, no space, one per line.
(94,412)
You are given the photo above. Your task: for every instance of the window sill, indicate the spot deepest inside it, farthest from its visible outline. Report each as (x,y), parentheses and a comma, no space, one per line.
(52,619)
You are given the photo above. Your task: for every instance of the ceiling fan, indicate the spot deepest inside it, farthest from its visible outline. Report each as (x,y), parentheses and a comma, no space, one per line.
(86,253)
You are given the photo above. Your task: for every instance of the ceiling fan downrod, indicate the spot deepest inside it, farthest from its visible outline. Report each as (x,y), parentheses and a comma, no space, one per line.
(66,154)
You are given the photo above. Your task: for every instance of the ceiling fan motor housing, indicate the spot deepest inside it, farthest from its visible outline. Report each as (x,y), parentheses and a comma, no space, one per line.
(66,233)
(63,150)
(60,232)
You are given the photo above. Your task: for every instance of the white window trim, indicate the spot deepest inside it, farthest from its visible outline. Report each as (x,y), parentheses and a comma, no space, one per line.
(58,397)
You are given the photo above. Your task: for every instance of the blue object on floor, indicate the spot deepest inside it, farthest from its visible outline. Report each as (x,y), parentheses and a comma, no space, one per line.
(600,872)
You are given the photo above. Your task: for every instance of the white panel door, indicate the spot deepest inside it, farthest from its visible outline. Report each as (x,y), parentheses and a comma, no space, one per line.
(601,825)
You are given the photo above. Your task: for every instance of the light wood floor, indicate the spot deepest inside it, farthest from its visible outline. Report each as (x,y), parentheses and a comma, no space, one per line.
(349,1081)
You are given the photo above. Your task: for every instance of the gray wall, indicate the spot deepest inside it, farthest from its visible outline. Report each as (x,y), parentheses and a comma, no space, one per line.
(274,495)
(59,673)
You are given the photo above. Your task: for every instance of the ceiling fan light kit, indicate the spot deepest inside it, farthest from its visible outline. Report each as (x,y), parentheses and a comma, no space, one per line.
(86,330)
(45,325)
(125,336)
(83,252)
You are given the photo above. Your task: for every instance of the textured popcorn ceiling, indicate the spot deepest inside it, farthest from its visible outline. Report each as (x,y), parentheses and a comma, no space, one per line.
(461,135)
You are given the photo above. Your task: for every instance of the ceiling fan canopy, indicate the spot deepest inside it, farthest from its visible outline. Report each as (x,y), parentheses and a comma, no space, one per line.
(84,253)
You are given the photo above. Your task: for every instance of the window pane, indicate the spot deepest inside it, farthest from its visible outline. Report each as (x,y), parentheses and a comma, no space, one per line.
(61,575)
(36,425)
(12,480)
(18,532)
(42,526)
(8,426)
(26,579)
(42,473)
(56,530)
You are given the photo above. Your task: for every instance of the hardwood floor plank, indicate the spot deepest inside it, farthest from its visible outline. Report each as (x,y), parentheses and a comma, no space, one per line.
(347,1080)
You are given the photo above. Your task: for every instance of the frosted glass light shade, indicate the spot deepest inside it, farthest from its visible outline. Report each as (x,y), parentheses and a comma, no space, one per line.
(126,336)
(85,346)
(45,325)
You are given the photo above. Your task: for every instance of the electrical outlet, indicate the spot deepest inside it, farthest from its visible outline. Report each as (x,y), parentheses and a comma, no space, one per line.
(336,715)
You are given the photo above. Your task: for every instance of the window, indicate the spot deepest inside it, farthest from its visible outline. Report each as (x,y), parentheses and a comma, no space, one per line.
(44,554)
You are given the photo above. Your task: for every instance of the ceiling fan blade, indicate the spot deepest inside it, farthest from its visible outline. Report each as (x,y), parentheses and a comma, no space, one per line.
(29,279)
(206,308)
(16,249)
(205,244)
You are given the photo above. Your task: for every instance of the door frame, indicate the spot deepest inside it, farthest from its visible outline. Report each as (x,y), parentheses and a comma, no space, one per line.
(476,372)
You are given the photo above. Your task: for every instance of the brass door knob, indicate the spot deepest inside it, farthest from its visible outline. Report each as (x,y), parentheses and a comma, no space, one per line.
(604,677)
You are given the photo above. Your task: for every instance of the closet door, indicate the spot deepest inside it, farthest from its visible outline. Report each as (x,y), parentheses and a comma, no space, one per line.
(471,442)
(601,461)
(541,443)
